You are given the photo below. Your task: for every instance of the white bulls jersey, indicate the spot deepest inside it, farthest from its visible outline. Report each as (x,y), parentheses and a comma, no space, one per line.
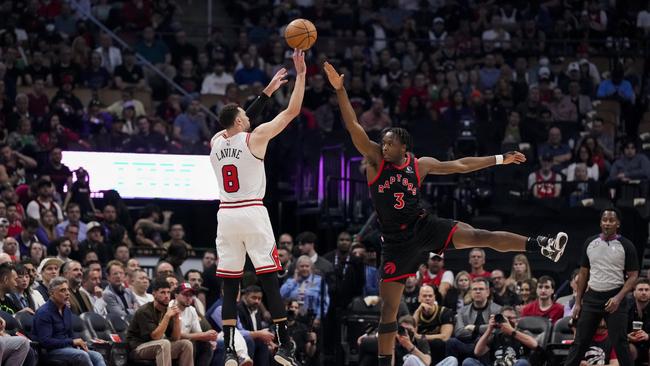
(243,221)
(240,174)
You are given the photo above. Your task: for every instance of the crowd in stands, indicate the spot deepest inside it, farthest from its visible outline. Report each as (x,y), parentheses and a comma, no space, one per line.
(464,77)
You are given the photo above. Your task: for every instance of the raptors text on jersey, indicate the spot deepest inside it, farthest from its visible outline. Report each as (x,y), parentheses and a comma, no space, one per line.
(395,193)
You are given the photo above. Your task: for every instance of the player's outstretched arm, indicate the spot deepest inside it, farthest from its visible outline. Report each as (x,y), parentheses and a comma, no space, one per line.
(256,108)
(266,131)
(428,165)
(362,142)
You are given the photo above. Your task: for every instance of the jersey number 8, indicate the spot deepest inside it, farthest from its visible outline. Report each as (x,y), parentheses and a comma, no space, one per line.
(230,178)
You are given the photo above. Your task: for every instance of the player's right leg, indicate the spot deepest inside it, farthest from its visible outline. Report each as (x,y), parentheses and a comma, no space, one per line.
(232,255)
(466,236)
(391,295)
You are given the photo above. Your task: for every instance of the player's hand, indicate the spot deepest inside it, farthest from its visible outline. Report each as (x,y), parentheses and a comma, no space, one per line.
(172,312)
(78,342)
(513,157)
(335,79)
(299,61)
(265,336)
(491,323)
(211,335)
(576,311)
(404,341)
(612,305)
(276,82)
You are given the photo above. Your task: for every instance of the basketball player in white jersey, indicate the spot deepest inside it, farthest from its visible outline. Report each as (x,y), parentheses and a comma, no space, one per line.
(244,227)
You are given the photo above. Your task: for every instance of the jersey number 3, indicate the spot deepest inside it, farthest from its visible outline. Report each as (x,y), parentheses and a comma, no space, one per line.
(230,178)
(399,200)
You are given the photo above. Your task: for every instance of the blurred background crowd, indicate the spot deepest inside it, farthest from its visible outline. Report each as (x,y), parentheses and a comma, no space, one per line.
(565,82)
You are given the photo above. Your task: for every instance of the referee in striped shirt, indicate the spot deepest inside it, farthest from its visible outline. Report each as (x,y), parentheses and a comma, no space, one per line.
(607,259)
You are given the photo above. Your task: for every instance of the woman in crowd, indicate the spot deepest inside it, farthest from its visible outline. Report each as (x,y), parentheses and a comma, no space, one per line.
(37,252)
(520,271)
(459,294)
(583,156)
(46,232)
(527,292)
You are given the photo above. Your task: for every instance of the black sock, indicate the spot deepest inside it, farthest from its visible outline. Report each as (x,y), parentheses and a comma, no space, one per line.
(229,337)
(385,360)
(532,245)
(282,333)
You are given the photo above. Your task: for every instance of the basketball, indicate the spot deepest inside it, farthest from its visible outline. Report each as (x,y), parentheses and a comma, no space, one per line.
(300,33)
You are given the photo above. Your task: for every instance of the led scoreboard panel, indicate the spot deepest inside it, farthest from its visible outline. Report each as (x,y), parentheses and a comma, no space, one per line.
(181,177)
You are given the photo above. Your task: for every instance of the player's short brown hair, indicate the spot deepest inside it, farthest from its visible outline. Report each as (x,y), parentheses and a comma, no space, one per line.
(227,115)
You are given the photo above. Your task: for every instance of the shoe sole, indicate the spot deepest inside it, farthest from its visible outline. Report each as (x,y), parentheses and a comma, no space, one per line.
(231,363)
(282,361)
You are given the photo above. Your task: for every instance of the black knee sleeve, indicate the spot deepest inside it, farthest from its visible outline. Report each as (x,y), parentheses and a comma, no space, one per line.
(387,327)
(230,291)
(271,287)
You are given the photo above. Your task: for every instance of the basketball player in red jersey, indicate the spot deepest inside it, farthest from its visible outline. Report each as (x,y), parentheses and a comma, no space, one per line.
(409,233)
(244,227)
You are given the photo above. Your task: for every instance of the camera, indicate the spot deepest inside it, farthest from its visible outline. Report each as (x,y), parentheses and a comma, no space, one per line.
(405,332)
(498,318)
(401,330)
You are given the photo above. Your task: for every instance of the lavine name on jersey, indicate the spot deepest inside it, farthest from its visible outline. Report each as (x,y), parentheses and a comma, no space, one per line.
(397,179)
(228,152)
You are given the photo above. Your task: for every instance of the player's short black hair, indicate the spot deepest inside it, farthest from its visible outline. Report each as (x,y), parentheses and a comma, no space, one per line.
(158,283)
(614,210)
(545,279)
(307,237)
(642,281)
(227,115)
(402,135)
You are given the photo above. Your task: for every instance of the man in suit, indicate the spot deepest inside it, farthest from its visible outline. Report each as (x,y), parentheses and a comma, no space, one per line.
(79,300)
(249,312)
(119,300)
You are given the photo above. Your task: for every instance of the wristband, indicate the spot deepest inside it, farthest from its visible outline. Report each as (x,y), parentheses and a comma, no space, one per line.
(499,159)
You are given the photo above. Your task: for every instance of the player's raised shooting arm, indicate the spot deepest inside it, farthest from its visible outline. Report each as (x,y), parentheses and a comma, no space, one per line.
(362,142)
(266,131)
(428,165)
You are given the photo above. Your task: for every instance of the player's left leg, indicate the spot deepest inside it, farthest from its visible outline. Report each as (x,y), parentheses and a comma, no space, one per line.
(466,236)
(391,295)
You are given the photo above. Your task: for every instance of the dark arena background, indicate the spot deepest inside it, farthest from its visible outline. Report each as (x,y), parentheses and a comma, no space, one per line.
(107,109)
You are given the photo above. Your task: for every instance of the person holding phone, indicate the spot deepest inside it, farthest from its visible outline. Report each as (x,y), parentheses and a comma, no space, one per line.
(639,322)
(506,345)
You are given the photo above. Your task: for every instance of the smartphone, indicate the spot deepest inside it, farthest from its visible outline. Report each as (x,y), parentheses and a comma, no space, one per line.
(637,325)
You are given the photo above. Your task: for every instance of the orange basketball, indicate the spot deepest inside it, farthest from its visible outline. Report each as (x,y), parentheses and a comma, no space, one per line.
(300,33)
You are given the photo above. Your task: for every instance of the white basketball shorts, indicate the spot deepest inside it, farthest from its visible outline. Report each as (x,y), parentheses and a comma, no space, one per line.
(244,230)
